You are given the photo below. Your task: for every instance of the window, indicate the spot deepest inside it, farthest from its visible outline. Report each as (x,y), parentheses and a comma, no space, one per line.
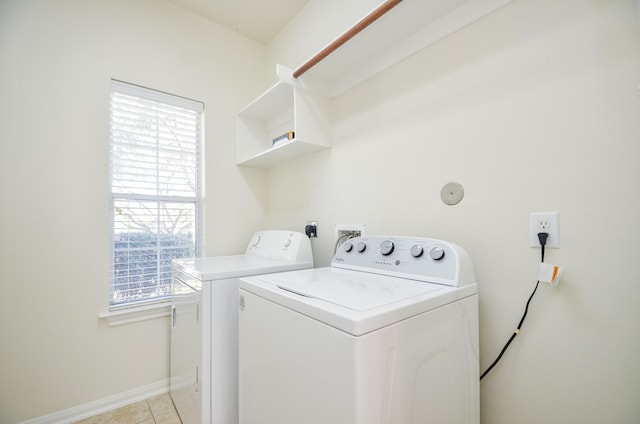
(155,179)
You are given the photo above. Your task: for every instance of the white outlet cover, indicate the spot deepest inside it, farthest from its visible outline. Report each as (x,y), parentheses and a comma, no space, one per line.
(553,241)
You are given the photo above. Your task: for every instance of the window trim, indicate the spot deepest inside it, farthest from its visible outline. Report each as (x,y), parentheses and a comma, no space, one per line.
(128,314)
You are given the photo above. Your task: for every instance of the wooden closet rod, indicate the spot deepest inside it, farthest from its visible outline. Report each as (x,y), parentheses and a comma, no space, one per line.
(351,32)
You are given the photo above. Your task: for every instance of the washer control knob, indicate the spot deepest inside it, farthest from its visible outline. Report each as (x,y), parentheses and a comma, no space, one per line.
(255,240)
(416,251)
(437,253)
(348,246)
(361,247)
(287,243)
(386,247)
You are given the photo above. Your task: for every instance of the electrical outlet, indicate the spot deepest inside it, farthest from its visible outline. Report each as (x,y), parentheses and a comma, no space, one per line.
(544,222)
(311,229)
(341,232)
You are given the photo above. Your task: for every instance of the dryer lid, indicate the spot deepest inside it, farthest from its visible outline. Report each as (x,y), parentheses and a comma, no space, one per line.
(222,267)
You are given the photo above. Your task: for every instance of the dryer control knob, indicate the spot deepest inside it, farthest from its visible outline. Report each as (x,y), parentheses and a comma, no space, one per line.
(416,251)
(386,247)
(361,247)
(348,246)
(437,253)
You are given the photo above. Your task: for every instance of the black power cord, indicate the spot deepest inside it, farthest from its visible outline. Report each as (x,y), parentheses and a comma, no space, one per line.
(542,238)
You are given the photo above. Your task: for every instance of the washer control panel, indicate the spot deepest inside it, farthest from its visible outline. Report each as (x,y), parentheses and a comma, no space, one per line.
(417,258)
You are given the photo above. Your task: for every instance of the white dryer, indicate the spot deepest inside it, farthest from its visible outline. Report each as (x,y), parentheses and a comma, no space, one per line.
(388,334)
(204,322)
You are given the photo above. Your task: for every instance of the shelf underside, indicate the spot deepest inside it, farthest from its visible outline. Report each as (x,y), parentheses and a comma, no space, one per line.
(281,153)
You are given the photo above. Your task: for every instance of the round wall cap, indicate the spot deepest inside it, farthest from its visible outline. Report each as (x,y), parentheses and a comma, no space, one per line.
(452,193)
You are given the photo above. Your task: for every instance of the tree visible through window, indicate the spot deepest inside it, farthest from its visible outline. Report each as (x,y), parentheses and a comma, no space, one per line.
(155,190)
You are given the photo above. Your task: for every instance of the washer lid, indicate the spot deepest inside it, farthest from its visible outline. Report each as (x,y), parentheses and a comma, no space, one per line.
(353,290)
(352,301)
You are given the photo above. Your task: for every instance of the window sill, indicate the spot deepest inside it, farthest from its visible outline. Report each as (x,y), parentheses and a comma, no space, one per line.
(137,313)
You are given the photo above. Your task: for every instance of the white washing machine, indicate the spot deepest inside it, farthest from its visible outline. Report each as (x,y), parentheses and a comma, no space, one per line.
(388,334)
(204,324)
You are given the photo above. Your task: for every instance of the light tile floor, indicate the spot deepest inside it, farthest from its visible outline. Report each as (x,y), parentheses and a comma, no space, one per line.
(155,410)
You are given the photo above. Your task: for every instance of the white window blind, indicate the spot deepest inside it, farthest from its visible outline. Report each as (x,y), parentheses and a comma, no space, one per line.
(155,142)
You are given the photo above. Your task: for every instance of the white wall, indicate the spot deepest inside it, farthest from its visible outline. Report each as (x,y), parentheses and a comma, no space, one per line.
(534,108)
(56,62)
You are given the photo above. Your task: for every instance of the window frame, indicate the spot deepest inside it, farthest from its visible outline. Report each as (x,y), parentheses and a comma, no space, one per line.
(154,306)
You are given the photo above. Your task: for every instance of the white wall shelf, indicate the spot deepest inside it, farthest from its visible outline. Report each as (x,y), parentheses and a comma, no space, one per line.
(302,104)
(282,108)
(406,29)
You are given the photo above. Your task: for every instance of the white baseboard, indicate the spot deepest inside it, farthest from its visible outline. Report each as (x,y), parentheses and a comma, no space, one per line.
(103,405)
